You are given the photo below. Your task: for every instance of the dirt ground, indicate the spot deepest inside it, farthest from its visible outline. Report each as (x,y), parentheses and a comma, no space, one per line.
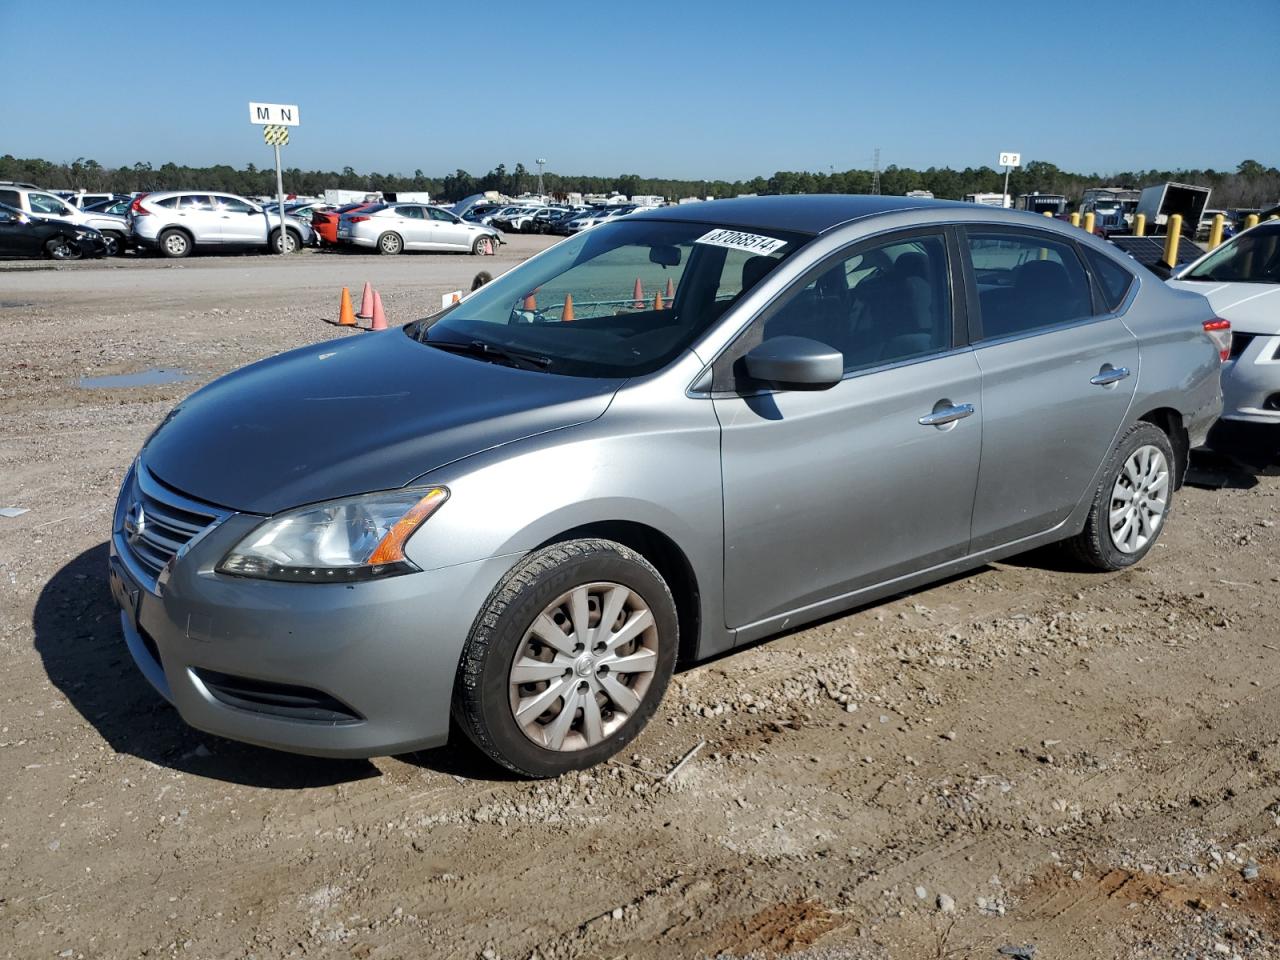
(1024,756)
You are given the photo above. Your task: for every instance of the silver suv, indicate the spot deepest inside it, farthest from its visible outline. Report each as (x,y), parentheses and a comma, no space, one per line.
(49,206)
(178,221)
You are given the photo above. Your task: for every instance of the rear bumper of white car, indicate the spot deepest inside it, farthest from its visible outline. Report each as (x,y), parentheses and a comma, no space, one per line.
(1251,381)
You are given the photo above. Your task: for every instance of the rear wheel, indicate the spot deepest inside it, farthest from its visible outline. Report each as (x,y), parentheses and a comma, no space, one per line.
(568,659)
(175,243)
(63,248)
(390,243)
(1132,502)
(114,243)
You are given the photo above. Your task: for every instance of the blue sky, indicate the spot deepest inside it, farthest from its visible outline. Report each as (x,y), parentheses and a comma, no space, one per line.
(693,89)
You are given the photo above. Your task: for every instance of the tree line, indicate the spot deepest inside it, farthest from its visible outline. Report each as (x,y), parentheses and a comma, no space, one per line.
(1250,184)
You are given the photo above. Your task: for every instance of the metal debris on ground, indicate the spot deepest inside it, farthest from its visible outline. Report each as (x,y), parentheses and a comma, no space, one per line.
(683,760)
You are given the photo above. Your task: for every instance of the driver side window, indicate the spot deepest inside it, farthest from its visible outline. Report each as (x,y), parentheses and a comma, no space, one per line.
(886,303)
(46,203)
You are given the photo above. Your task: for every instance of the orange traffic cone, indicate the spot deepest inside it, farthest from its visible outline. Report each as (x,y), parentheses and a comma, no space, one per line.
(366,303)
(379,318)
(346,316)
(637,297)
(671,289)
(566,316)
(657,302)
(531,303)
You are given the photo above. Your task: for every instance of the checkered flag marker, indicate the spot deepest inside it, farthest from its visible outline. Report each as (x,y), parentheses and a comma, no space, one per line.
(275,135)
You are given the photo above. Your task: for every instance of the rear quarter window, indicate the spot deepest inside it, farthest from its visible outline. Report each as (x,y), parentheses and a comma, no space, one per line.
(10,197)
(1114,280)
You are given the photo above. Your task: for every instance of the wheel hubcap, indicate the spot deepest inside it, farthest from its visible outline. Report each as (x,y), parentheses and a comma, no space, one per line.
(584,666)
(1139,499)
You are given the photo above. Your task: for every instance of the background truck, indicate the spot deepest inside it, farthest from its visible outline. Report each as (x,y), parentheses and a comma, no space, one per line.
(1162,200)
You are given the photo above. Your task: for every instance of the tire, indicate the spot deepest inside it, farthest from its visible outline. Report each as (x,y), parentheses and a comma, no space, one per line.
(536,602)
(293,243)
(62,248)
(175,244)
(477,248)
(115,243)
(1140,473)
(390,244)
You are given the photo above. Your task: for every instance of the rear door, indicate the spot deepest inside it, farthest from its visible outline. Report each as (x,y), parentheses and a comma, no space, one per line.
(1058,374)
(195,212)
(413,226)
(827,492)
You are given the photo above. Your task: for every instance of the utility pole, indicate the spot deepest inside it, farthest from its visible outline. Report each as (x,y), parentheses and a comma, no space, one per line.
(875,176)
(541,163)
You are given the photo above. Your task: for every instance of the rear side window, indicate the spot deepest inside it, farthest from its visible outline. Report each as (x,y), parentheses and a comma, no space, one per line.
(169,203)
(414,213)
(10,197)
(1026,281)
(1113,280)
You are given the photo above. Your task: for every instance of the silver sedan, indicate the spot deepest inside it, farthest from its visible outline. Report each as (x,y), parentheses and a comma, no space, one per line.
(395,227)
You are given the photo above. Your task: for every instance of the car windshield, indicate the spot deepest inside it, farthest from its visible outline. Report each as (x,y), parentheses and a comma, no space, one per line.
(1252,257)
(620,300)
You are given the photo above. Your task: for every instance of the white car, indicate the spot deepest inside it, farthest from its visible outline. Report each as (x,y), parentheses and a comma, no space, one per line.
(395,227)
(1241,280)
(599,215)
(46,205)
(176,222)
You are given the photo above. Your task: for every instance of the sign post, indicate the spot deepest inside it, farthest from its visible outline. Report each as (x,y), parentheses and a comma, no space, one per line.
(1009,161)
(276,119)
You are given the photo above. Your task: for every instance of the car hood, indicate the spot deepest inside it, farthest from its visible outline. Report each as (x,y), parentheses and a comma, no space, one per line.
(372,412)
(1251,307)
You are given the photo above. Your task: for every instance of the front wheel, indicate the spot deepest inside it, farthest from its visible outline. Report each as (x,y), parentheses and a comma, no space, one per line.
(114,243)
(568,659)
(478,247)
(63,248)
(290,241)
(1132,502)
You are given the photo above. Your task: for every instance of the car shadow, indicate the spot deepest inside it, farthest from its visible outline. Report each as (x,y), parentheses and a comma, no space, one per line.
(77,635)
(1236,455)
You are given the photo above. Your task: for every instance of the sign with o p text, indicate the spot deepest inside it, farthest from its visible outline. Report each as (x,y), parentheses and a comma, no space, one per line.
(1010,159)
(280,114)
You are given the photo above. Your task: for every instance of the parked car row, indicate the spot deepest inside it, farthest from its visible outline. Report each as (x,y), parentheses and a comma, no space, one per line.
(42,204)
(22,235)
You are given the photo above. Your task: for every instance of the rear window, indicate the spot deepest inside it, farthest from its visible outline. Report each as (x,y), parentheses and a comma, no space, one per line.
(1113,280)
(10,197)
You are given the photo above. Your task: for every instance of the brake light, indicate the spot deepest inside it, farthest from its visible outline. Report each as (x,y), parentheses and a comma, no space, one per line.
(356,219)
(1219,332)
(137,209)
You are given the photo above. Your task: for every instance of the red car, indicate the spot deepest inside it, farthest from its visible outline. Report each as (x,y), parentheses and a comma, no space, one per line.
(325,223)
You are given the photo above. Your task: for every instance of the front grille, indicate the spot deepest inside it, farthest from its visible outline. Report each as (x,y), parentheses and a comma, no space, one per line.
(1240,343)
(158,522)
(276,699)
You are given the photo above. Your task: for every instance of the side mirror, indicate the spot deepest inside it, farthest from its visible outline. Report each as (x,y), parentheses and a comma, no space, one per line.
(795,363)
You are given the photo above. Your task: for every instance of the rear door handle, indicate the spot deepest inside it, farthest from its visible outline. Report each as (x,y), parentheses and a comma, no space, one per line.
(947,414)
(1109,375)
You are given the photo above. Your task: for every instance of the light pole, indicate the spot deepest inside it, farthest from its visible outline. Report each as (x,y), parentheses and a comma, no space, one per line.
(541,163)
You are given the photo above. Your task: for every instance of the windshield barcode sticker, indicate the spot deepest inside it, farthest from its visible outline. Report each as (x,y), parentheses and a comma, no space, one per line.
(737,240)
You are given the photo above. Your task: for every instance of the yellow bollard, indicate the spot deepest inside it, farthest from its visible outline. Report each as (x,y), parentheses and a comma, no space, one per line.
(1215,231)
(1251,221)
(1075,219)
(1089,221)
(1048,213)
(1140,225)
(1171,241)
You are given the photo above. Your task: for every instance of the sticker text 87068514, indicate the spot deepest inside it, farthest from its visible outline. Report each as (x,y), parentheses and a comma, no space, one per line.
(737,240)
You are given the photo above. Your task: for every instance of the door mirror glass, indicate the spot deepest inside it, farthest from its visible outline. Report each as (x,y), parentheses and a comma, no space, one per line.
(795,363)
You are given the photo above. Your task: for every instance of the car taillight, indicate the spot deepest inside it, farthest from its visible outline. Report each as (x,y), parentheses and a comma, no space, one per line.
(137,209)
(1219,331)
(356,219)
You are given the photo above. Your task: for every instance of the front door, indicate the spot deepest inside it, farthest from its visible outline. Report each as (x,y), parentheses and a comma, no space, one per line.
(830,491)
(1058,376)
(240,222)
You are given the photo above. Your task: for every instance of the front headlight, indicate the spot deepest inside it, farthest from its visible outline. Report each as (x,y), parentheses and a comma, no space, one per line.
(357,538)
(85,234)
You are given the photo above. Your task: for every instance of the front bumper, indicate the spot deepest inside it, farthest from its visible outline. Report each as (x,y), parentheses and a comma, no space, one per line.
(362,669)
(1251,382)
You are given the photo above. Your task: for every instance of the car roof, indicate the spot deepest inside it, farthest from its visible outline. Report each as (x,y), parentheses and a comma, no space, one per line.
(800,213)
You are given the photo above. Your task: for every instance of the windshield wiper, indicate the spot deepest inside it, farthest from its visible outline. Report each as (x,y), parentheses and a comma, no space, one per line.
(494,353)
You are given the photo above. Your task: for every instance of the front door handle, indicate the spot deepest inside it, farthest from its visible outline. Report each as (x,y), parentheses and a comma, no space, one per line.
(947,413)
(1109,375)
